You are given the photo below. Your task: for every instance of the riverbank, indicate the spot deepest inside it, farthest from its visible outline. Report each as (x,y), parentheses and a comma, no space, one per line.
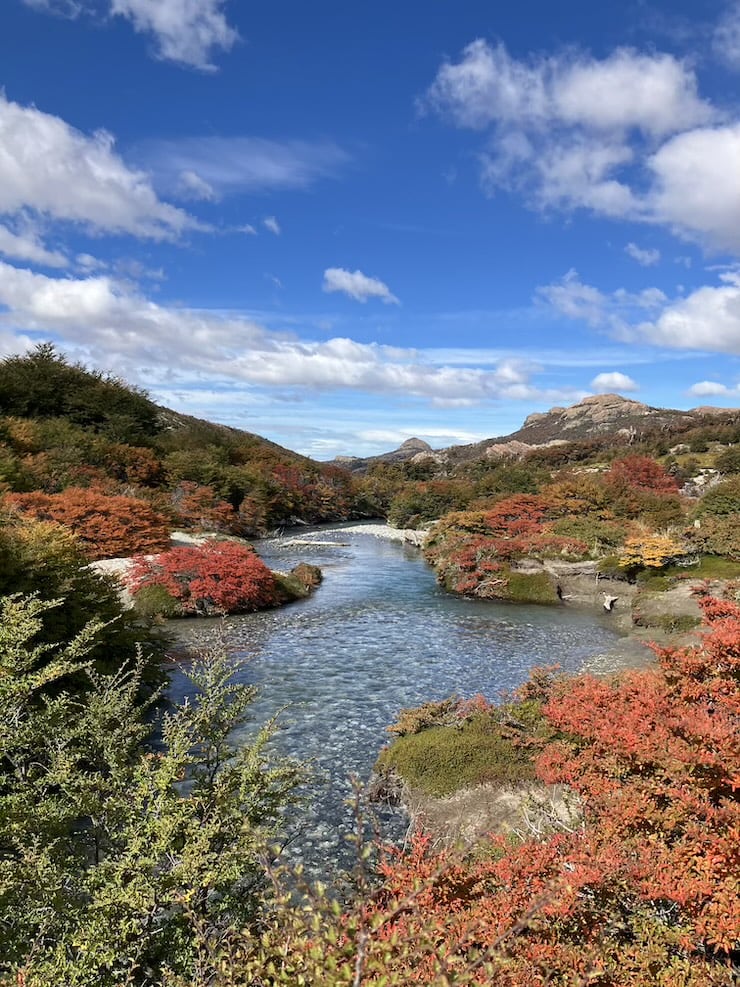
(669,616)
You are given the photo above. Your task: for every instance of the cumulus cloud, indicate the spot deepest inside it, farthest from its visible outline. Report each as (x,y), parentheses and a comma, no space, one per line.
(613,311)
(712,388)
(570,131)
(186,31)
(707,319)
(271,224)
(613,381)
(49,168)
(654,93)
(357,285)
(696,189)
(191,186)
(645,256)
(223,166)
(189,32)
(111,324)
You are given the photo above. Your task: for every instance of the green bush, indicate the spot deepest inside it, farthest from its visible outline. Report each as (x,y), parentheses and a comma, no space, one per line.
(42,384)
(597,534)
(722,499)
(729,460)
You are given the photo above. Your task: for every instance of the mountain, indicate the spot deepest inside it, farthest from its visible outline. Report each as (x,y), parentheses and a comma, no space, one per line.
(410,449)
(601,415)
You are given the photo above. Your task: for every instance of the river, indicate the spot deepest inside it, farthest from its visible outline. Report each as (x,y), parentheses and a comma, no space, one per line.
(379,634)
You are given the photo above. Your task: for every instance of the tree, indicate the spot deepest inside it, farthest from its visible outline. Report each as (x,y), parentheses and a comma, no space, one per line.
(650,551)
(113,870)
(42,384)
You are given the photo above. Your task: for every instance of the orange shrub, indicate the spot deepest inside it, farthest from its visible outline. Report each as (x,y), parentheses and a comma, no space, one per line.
(106,526)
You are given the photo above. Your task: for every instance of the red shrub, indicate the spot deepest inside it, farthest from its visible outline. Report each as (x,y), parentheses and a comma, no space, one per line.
(645,891)
(106,526)
(216,577)
(642,473)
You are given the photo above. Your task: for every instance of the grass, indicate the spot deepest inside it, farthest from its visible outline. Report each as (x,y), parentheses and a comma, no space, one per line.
(443,759)
(709,567)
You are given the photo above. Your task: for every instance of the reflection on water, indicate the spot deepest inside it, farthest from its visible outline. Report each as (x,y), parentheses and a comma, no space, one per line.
(378,635)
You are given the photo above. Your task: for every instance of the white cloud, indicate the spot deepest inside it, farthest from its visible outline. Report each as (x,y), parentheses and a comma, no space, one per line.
(645,256)
(186,31)
(88,263)
(612,311)
(570,131)
(727,37)
(655,94)
(696,188)
(271,224)
(613,381)
(708,319)
(49,168)
(392,437)
(62,8)
(357,285)
(706,388)
(233,165)
(192,186)
(110,324)
(26,245)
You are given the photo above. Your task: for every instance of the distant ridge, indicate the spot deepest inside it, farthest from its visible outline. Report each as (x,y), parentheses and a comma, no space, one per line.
(592,417)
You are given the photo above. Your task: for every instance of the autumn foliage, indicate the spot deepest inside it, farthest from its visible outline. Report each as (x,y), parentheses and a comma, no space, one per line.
(643,891)
(216,577)
(106,526)
(642,473)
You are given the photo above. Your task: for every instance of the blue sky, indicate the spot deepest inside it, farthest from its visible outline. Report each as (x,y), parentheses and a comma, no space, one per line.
(339,225)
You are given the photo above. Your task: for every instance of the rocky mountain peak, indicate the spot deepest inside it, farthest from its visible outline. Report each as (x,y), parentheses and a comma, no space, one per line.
(414,445)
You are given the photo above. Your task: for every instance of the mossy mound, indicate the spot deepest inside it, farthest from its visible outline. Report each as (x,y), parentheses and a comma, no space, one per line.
(526,587)
(440,760)
(298,583)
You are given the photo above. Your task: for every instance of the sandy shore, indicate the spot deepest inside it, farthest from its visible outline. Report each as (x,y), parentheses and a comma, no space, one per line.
(408,536)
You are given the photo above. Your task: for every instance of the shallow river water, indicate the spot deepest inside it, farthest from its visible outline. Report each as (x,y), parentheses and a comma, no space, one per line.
(380,634)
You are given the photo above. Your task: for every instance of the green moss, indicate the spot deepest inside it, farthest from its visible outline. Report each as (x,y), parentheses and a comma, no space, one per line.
(289,587)
(155,601)
(530,588)
(708,567)
(441,760)
(671,623)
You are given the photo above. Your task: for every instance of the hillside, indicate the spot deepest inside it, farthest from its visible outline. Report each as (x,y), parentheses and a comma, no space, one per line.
(78,445)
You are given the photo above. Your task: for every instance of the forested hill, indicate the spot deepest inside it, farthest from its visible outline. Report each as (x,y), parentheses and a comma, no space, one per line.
(76,443)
